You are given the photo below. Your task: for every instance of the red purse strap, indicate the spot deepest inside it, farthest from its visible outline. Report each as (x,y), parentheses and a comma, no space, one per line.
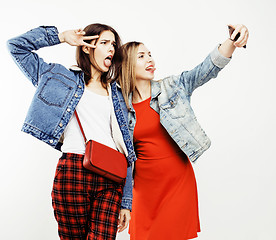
(77,117)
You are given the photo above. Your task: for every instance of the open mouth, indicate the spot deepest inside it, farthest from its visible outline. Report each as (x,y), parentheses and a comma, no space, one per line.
(109,57)
(107,61)
(151,68)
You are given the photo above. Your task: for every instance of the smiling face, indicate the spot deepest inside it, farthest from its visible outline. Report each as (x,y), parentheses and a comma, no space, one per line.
(101,56)
(145,65)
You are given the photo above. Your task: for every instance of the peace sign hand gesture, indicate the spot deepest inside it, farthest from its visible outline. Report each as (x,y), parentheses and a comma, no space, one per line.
(76,38)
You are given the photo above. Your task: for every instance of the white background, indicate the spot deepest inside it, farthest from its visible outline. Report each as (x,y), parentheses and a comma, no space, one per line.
(236,176)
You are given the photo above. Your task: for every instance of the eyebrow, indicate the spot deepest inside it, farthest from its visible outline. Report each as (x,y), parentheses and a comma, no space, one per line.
(107,40)
(143,53)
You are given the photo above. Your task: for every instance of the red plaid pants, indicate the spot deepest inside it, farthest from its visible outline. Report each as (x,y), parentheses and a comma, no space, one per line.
(86,205)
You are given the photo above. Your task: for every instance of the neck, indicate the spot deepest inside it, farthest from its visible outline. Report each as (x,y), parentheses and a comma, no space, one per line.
(95,77)
(95,84)
(95,74)
(142,91)
(94,81)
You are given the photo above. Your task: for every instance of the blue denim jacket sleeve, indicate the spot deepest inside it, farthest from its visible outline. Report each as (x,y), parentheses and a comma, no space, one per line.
(22,47)
(127,194)
(22,50)
(205,71)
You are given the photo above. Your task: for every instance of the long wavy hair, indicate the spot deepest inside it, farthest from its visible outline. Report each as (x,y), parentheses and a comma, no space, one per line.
(127,74)
(83,59)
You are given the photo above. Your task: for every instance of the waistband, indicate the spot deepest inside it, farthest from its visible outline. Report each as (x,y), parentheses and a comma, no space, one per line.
(71,155)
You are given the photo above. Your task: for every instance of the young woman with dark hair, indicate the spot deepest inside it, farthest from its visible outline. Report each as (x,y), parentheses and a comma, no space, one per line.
(86,205)
(166,138)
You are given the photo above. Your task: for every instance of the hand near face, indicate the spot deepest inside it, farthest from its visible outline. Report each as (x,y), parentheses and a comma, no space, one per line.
(76,38)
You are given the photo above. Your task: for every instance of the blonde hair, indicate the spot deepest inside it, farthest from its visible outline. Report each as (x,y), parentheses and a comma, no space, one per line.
(127,74)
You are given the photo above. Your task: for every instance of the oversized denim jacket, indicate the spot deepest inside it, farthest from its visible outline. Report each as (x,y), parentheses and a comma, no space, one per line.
(170,98)
(57,95)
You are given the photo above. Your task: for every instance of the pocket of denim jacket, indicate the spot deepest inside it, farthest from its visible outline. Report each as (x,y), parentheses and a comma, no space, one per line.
(55,92)
(175,106)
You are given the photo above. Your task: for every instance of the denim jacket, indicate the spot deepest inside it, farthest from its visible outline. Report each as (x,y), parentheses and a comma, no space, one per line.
(170,98)
(57,95)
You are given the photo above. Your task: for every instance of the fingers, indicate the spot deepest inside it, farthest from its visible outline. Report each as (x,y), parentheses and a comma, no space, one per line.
(242,39)
(90,38)
(79,31)
(235,32)
(241,32)
(81,34)
(89,45)
(120,224)
(124,219)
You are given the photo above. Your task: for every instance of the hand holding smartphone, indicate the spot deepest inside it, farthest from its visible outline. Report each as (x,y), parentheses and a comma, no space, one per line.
(231,30)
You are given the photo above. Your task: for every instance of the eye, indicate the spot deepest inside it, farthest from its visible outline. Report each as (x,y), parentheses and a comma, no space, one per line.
(103,42)
(141,56)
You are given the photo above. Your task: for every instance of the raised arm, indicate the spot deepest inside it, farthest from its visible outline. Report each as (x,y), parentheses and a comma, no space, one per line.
(215,61)
(23,47)
(22,50)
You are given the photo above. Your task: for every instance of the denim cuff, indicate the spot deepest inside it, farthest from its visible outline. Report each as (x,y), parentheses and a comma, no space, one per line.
(218,59)
(126,203)
(52,35)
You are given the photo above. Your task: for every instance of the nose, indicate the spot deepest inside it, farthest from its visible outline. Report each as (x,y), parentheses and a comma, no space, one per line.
(111,48)
(151,60)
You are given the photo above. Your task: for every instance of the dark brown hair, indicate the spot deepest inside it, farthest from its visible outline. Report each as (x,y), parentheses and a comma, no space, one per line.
(84,62)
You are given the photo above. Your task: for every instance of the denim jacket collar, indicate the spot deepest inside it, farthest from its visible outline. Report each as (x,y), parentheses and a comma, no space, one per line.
(75,68)
(155,89)
(155,92)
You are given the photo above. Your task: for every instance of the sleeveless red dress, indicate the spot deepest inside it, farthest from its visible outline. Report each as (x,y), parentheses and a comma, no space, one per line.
(165,202)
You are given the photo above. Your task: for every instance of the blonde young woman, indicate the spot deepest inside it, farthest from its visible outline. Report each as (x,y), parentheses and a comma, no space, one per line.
(167,137)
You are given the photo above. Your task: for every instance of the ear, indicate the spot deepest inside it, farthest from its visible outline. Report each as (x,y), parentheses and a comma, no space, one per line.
(85,49)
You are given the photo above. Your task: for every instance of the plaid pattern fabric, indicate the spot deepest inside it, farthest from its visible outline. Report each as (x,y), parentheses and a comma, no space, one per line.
(86,205)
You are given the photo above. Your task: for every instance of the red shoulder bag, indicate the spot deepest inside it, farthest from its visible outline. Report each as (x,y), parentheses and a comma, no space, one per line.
(103,160)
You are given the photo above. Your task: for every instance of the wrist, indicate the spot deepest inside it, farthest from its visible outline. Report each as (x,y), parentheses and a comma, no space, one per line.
(230,42)
(61,37)
(227,48)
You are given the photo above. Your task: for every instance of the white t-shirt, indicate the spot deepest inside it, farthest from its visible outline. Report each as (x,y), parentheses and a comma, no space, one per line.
(94,111)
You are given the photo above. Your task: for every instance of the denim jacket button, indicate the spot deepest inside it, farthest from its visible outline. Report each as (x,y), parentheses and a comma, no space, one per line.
(68,109)
(51,141)
(60,124)
(76,95)
(79,86)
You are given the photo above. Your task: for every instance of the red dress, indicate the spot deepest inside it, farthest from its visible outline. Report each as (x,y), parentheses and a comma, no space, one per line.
(165,202)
